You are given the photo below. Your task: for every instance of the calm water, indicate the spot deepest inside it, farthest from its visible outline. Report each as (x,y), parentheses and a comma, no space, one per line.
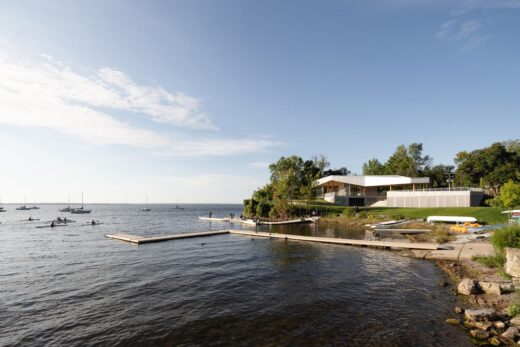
(71,286)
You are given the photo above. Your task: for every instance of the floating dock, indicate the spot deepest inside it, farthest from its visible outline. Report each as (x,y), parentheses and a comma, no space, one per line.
(144,239)
(350,242)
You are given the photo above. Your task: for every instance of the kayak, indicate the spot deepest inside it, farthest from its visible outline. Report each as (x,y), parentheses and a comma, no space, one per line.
(50,226)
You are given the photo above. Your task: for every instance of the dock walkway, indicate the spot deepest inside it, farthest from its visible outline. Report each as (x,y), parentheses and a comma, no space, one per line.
(351,242)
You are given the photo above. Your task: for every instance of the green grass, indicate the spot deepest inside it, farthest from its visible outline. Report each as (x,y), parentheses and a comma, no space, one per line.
(488,215)
(489,260)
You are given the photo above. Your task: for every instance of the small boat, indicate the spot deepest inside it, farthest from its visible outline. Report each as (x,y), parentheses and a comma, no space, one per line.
(30,220)
(66,209)
(2,209)
(146,209)
(87,224)
(178,208)
(464,228)
(451,219)
(23,208)
(34,208)
(51,226)
(215,219)
(80,210)
(387,224)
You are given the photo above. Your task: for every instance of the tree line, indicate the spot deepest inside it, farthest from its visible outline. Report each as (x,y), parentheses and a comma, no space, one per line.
(490,168)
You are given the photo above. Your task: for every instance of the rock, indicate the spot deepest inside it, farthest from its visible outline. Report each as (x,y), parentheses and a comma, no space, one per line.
(453,321)
(515,321)
(507,287)
(499,324)
(479,334)
(491,288)
(494,341)
(458,310)
(482,325)
(480,314)
(513,261)
(511,333)
(467,286)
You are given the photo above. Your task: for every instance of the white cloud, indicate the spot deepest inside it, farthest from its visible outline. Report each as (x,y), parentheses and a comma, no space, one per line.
(465,32)
(48,94)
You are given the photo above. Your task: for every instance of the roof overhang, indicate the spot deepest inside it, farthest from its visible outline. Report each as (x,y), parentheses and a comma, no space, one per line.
(374,181)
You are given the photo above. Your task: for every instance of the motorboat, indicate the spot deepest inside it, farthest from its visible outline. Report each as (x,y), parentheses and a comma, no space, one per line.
(23,208)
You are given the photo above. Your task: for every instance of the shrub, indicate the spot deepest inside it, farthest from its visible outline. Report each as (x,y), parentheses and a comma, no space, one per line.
(348,212)
(506,237)
(513,310)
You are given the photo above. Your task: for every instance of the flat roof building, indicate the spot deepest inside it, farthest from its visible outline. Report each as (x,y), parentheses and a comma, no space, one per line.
(393,191)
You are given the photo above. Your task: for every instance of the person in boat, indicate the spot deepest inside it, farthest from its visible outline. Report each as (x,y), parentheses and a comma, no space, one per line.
(52,224)
(59,219)
(210,214)
(93,222)
(65,219)
(30,217)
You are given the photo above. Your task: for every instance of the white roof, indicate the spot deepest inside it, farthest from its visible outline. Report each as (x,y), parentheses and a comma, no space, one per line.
(375,181)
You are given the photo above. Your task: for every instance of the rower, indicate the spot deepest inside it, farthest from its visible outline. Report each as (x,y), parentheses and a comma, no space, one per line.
(59,219)
(52,224)
(30,217)
(93,222)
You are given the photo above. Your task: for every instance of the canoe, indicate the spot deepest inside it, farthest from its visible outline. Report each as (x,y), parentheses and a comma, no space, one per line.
(215,219)
(451,219)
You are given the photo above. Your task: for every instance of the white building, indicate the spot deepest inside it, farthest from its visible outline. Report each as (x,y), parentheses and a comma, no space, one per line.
(394,191)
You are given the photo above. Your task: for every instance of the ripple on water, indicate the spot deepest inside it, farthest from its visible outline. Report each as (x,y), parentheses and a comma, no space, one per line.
(77,288)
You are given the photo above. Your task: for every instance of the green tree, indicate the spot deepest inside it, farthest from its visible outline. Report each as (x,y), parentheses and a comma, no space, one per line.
(488,168)
(439,175)
(509,195)
(401,163)
(374,167)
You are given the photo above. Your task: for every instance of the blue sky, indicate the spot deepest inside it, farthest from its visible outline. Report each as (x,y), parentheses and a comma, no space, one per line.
(190,100)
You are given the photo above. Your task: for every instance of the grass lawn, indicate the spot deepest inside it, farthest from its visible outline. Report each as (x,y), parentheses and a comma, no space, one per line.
(489,215)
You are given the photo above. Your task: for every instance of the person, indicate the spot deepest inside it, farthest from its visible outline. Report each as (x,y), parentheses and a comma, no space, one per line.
(52,224)
(241,216)
(59,219)
(30,217)
(65,219)
(93,222)
(210,214)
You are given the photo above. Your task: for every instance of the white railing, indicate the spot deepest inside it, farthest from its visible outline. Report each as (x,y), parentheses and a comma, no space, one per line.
(453,189)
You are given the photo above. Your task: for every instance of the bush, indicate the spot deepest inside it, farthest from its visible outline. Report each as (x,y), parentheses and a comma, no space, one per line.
(513,310)
(348,212)
(506,237)
(442,236)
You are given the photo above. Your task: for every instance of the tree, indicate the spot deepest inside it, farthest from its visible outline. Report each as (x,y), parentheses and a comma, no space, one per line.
(400,163)
(374,167)
(488,168)
(320,161)
(439,175)
(509,195)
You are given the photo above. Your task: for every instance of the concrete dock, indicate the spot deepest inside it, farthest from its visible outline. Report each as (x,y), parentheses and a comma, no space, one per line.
(350,242)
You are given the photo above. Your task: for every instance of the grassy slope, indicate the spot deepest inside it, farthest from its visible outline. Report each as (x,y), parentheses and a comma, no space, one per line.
(489,215)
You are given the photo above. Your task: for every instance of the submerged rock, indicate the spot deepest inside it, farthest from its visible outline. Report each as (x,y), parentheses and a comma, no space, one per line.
(480,314)
(513,261)
(479,334)
(467,286)
(453,321)
(494,341)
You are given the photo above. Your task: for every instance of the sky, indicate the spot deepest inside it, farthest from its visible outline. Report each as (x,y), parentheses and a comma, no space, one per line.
(189,101)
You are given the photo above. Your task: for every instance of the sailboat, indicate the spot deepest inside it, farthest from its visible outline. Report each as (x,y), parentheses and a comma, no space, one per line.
(66,209)
(24,207)
(80,210)
(177,206)
(146,209)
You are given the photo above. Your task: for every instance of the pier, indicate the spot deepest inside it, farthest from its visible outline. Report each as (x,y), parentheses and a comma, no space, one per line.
(332,240)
